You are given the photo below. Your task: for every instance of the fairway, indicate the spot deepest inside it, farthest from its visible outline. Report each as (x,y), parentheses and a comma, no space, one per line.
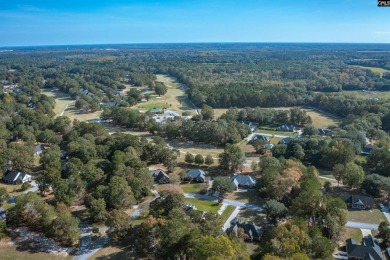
(381,71)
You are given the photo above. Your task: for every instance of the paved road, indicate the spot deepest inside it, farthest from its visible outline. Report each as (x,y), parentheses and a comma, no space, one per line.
(360,225)
(87,246)
(236,203)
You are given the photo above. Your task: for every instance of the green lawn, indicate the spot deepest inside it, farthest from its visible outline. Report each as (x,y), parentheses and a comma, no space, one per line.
(381,71)
(374,216)
(228,211)
(276,132)
(204,205)
(193,187)
(148,106)
(13,252)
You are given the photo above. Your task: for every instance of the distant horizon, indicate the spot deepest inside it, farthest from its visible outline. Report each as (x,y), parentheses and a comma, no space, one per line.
(189,43)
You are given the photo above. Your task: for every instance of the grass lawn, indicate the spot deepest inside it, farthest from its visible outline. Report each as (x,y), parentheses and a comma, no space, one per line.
(354,233)
(251,216)
(113,252)
(381,71)
(228,211)
(219,111)
(276,132)
(191,147)
(374,216)
(13,252)
(251,196)
(194,187)
(148,106)
(204,205)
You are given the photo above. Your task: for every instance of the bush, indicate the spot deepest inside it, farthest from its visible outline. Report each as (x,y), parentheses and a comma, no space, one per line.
(25,186)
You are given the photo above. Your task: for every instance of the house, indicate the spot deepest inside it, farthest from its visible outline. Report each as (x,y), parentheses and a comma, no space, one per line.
(112,104)
(252,231)
(286,128)
(160,176)
(358,202)
(38,149)
(369,249)
(243,181)
(250,124)
(323,131)
(191,211)
(260,137)
(366,150)
(195,175)
(16,177)
(155,110)
(286,140)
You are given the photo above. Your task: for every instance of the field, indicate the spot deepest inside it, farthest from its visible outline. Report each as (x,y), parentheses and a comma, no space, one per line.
(381,71)
(368,94)
(9,251)
(204,205)
(194,187)
(175,99)
(320,119)
(374,216)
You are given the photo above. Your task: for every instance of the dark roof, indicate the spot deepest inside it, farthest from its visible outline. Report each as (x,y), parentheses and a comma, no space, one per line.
(242,179)
(260,137)
(13,176)
(358,200)
(251,230)
(366,150)
(369,249)
(286,140)
(38,148)
(195,174)
(286,127)
(159,174)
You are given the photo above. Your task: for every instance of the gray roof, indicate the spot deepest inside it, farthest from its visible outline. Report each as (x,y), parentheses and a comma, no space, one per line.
(358,200)
(38,148)
(159,174)
(13,176)
(196,174)
(242,179)
(253,231)
(369,249)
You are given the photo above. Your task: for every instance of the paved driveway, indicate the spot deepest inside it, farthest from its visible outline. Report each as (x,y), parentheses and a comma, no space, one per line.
(360,225)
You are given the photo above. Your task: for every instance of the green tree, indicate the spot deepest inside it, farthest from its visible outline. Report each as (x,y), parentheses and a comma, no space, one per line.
(189,158)
(4,196)
(97,209)
(223,185)
(199,160)
(160,88)
(119,194)
(167,201)
(275,210)
(207,112)
(119,225)
(231,157)
(354,175)
(64,229)
(209,160)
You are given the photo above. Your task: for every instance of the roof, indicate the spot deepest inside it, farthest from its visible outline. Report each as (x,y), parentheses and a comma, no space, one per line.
(242,179)
(38,148)
(250,229)
(366,150)
(159,174)
(13,176)
(286,140)
(195,174)
(155,110)
(260,137)
(369,249)
(358,200)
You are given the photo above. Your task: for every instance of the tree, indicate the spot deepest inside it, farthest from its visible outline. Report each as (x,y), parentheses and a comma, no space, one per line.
(299,153)
(379,162)
(119,194)
(119,225)
(189,158)
(339,151)
(160,88)
(207,112)
(254,166)
(167,201)
(3,229)
(338,172)
(65,229)
(97,209)
(310,130)
(199,160)
(275,210)
(230,158)
(354,175)
(209,160)
(223,185)
(4,196)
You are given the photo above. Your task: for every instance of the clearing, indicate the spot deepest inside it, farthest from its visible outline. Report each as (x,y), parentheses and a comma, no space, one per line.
(204,205)
(381,71)
(194,187)
(10,251)
(374,216)
(354,233)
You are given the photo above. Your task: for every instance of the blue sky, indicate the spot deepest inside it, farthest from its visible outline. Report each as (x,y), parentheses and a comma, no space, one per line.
(55,22)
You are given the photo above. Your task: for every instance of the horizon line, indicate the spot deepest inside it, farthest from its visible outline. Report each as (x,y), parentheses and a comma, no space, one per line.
(211,42)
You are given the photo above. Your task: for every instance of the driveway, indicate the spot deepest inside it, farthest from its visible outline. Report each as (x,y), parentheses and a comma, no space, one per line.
(231,217)
(235,203)
(360,225)
(88,247)
(34,187)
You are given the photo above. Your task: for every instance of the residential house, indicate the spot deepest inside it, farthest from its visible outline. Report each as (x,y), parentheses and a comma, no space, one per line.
(160,176)
(195,175)
(366,150)
(357,201)
(260,137)
(252,231)
(243,181)
(16,177)
(38,149)
(286,140)
(286,128)
(155,110)
(250,124)
(369,249)
(323,131)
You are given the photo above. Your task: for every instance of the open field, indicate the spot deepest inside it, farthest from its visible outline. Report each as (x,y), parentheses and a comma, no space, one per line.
(368,94)
(194,187)
(113,252)
(374,216)
(219,111)
(204,205)
(381,71)
(251,196)
(320,119)
(62,100)
(9,251)
(175,99)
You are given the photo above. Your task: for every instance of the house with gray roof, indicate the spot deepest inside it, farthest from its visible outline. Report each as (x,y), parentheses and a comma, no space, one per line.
(368,250)
(160,176)
(16,177)
(195,175)
(243,181)
(252,231)
(357,201)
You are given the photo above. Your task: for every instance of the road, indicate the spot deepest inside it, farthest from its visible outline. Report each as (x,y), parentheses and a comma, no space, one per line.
(88,247)
(235,203)
(360,225)
(34,187)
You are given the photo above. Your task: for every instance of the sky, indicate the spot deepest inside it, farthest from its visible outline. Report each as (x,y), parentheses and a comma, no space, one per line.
(60,22)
